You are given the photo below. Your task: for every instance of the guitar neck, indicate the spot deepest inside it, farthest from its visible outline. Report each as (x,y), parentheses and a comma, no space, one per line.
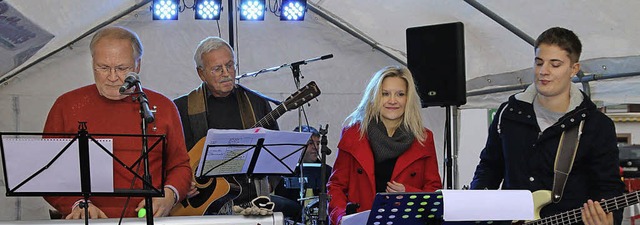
(575,215)
(271,117)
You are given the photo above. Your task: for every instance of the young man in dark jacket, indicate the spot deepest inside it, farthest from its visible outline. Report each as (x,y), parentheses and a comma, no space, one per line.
(524,136)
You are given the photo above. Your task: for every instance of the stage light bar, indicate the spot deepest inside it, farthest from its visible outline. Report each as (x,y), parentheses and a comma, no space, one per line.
(252,9)
(165,9)
(208,9)
(293,10)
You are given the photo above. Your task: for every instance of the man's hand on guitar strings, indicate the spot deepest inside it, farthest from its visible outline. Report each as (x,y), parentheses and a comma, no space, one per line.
(193,191)
(593,214)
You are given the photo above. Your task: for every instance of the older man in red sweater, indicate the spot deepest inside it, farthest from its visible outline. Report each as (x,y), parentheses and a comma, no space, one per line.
(115,52)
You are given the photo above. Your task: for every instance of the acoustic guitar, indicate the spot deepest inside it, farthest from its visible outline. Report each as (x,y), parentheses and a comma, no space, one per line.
(216,192)
(542,198)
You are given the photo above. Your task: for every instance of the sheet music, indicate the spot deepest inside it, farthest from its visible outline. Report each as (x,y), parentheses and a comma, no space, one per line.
(484,205)
(356,218)
(23,157)
(213,156)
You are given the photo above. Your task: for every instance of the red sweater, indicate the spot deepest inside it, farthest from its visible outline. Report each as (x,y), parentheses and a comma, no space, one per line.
(122,117)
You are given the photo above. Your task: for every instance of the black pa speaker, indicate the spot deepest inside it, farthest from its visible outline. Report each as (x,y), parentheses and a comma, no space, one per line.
(435,57)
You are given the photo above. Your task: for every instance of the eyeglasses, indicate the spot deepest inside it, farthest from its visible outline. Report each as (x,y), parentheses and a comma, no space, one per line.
(118,69)
(230,66)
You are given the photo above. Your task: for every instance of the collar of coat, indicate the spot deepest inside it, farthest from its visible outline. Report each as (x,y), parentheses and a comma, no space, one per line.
(360,149)
(575,96)
(520,108)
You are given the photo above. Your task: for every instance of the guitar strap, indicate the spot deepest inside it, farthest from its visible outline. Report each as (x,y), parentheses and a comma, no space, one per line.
(197,110)
(246,109)
(565,156)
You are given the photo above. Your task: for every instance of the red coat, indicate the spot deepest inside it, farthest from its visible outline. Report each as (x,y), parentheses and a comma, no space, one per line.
(352,179)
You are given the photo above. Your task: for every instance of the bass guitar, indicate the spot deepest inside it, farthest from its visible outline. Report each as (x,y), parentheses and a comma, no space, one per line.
(215,192)
(542,198)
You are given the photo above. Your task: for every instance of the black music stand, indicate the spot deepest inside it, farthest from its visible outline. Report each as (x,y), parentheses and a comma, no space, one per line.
(83,139)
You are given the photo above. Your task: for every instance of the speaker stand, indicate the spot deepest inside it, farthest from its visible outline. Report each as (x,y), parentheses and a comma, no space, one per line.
(451,148)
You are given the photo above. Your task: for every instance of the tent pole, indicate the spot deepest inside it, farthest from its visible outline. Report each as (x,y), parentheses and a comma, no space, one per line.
(356,33)
(585,78)
(501,21)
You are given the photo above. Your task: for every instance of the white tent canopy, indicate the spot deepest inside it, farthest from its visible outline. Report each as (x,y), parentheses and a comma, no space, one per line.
(608,30)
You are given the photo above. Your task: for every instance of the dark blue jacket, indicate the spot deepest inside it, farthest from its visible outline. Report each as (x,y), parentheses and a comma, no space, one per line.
(520,156)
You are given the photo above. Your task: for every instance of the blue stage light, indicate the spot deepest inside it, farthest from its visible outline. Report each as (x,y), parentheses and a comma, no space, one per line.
(293,10)
(252,9)
(165,9)
(208,9)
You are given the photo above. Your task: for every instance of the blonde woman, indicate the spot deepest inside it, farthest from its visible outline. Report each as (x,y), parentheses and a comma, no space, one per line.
(384,146)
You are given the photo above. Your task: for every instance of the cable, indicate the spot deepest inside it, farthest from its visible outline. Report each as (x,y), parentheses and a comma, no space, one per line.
(126,202)
(445,144)
(275,9)
(185,6)
(218,24)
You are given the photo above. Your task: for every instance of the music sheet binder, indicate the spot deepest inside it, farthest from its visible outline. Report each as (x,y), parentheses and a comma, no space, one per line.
(251,151)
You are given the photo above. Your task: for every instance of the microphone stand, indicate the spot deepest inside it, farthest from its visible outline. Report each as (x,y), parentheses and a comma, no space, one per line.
(295,69)
(301,181)
(276,68)
(147,117)
(323,198)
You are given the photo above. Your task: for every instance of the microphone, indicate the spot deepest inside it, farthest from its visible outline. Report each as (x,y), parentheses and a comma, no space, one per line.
(326,57)
(304,62)
(131,80)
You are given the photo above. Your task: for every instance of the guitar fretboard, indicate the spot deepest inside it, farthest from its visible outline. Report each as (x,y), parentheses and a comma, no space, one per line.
(272,116)
(575,215)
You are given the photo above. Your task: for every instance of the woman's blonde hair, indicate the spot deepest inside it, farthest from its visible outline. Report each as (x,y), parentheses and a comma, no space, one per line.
(369,107)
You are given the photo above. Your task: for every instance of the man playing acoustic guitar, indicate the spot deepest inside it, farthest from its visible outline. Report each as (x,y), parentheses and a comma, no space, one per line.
(524,138)
(219,103)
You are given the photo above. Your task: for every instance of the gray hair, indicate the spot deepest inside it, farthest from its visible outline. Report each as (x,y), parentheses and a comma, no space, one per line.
(121,33)
(210,44)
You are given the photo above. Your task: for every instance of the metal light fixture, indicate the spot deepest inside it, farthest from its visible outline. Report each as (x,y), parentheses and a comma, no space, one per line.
(165,9)
(251,10)
(293,10)
(208,9)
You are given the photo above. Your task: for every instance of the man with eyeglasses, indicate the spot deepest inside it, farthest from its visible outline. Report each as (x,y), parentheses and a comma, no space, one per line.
(218,102)
(115,52)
